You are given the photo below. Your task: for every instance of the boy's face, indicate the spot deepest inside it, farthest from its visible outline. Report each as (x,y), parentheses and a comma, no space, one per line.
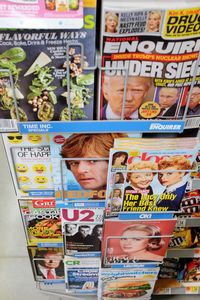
(141,180)
(90,174)
(170,178)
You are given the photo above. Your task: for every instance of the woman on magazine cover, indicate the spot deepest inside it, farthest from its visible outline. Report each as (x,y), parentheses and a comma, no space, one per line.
(153,21)
(119,178)
(119,159)
(138,242)
(174,182)
(111,22)
(116,202)
(139,182)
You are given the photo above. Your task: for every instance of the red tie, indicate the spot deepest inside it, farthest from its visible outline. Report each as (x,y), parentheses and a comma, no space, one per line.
(50,274)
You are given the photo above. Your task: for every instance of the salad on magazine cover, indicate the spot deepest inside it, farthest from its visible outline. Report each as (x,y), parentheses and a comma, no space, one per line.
(82,229)
(80,165)
(47,263)
(156,53)
(81,274)
(36,59)
(129,242)
(41,220)
(147,180)
(30,164)
(134,283)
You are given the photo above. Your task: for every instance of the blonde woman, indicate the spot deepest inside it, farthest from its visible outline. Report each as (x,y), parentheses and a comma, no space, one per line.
(111,22)
(153,21)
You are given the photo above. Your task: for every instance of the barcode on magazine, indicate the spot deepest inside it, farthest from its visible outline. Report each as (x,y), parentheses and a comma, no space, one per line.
(192,123)
(8,125)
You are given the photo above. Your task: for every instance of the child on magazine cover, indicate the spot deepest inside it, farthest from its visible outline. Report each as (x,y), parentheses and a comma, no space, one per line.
(174,182)
(136,246)
(139,182)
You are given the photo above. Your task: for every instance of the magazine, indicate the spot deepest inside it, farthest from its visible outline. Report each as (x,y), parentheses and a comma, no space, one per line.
(47,263)
(148,71)
(80,165)
(147,180)
(37,62)
(196,175)
(128,242)
(81,274)
(82,229)
(30,164)
(41,14)
(126,284)
(41,220)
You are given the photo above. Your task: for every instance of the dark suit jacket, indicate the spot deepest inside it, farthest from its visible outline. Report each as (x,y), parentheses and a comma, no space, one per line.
(190,112)
(175,204)
(170,112)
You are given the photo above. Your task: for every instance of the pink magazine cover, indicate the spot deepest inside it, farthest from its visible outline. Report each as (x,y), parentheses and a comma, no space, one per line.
(135,241)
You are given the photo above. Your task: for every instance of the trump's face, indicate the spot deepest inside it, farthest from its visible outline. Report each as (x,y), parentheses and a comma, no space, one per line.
(136,91)
(52,260)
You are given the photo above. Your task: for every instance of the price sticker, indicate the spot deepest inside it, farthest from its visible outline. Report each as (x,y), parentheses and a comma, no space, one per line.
(163,291)
(197,253)
(181,222)
(192,290)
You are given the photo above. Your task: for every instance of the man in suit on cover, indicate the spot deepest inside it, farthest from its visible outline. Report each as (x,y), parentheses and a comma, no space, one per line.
(113,91)
(168,100)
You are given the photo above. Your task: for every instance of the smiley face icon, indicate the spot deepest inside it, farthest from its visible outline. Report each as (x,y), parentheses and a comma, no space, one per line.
(15,138)
(39,168)
(40,179)
(21,168)
(34,138)
(23,179)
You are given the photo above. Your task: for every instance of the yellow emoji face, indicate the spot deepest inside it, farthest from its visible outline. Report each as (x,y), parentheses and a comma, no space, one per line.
(15,138)
(21,168)
(41,179)
(23,179)
(35,138)
(39,168)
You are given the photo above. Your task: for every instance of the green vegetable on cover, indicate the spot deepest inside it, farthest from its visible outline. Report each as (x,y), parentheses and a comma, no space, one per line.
(15,55)
(86,79)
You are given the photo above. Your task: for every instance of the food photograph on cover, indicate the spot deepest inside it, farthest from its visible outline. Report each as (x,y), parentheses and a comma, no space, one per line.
(41,224)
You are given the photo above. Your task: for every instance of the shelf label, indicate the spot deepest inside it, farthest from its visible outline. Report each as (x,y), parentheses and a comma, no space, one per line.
(163,291)
(196,252)
(181,222)
(192,290)
(101,126)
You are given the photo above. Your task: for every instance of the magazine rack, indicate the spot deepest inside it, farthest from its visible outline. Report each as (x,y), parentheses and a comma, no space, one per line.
(158,125)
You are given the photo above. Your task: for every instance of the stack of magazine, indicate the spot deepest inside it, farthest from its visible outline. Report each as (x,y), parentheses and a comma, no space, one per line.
(146,183)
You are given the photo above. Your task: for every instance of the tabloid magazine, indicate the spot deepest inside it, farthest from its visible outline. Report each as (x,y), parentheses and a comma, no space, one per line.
(47,263)
(82,230)
(134,283)
(36,59)
(80,165)
(41,220)
(30,164)
(130,242)
(147,180)
(81,274)
(158,46)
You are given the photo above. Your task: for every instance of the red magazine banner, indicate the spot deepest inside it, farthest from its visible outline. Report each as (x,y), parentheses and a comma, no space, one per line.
(135,241)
